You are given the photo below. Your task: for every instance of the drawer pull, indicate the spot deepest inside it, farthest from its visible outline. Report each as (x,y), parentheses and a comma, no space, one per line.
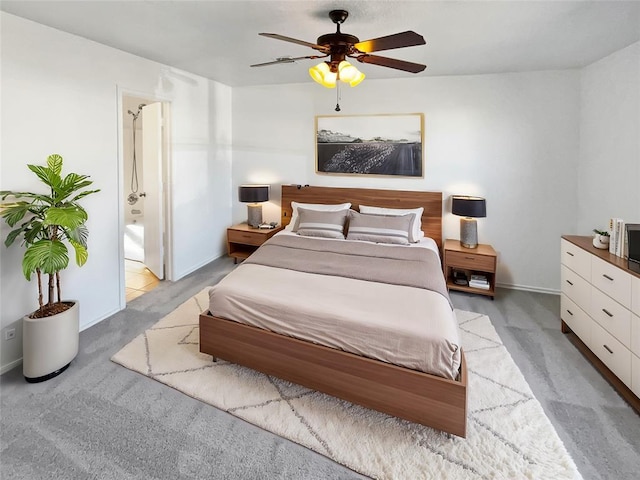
(607,277)
(570,254)
(570,283)
(607,312)
(469,258)
(569,312)
(607,349)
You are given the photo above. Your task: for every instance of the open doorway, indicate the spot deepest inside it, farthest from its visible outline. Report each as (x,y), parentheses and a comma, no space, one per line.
(143,161)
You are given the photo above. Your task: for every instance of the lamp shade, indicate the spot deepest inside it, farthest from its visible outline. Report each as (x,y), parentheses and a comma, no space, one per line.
(253,193)
(468,206)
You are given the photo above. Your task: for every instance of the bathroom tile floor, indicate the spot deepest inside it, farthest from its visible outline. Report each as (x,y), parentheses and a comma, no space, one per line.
(138,279)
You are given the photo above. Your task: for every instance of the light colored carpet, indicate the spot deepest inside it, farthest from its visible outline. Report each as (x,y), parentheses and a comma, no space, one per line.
(509,435)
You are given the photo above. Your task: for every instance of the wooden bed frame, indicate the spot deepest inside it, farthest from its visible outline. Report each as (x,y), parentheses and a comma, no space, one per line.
(416,396)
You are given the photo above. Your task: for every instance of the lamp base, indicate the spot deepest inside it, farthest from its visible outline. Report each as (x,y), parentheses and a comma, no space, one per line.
(468,232)
(254,211)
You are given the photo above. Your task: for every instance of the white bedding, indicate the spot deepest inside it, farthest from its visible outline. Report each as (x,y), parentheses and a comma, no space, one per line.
(406,326)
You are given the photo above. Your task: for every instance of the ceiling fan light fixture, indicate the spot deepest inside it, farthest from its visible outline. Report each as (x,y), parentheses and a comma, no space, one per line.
(323,75)
(350,74)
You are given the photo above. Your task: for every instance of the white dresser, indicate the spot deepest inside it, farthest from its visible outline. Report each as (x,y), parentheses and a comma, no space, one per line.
(600,303)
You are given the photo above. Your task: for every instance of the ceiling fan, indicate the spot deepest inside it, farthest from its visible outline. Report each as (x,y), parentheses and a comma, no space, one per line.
(338,46)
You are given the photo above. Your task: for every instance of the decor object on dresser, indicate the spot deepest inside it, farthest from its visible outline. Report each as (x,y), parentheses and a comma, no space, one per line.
(47,222)
(633,247)
(476,265)
(601,239)
(370,144)
(469,208)
(253,195)
(600,304)
(506,421)
(243,240)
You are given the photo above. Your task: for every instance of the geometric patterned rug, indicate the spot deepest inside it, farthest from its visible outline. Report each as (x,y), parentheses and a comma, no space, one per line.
(508,434)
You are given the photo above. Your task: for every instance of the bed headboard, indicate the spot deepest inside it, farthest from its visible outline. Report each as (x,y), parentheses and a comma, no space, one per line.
(431,201)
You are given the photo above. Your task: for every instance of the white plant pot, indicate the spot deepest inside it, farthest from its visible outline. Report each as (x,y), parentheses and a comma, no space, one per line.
(49,344)
(601,241)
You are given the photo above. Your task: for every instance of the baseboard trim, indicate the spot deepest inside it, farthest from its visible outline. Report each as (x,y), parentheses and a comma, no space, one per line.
(528,288)
(193,268)
(10,366)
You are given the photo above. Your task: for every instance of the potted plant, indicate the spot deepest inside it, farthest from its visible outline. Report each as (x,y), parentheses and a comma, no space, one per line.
(46,223)
(601,239)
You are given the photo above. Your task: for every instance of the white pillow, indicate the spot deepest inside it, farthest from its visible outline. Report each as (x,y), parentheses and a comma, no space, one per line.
(416,226)
(293,224)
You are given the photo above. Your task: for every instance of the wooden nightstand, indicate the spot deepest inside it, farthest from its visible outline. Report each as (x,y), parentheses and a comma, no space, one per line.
(481,260)
(243,240)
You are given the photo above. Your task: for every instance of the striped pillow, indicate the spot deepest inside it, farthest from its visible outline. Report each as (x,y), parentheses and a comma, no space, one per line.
(315,223)
(380,228)
(416,232)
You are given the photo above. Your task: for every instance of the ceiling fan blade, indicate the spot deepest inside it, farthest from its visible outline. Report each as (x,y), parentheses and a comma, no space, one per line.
(392,63)
(398,40)
(287,60)
(294,40)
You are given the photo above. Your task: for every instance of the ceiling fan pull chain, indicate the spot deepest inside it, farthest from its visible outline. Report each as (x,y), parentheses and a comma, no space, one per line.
(338,94)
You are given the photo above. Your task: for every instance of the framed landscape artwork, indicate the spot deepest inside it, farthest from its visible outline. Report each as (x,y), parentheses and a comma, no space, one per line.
(385,145)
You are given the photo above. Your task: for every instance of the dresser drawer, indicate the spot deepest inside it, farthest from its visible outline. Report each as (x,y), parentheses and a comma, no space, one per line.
(635,334)
(635,375)
(611,315)
(576,318)
(612,353)
(635,295)
(575,287)
(471,261)
(246,238)
(575,258)
(612,280)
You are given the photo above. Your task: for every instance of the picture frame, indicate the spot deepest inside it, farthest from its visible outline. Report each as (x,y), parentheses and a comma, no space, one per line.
(387,145)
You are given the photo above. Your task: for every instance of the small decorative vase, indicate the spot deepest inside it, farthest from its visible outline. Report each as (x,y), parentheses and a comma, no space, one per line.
(601,241)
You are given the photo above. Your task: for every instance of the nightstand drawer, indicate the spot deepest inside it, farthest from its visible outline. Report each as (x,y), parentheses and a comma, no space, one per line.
(471,261)
(246,238)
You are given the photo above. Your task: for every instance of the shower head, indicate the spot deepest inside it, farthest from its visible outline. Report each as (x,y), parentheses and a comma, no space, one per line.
(130,112)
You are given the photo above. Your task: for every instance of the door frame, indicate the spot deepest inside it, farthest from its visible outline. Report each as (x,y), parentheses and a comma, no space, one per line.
(167,202)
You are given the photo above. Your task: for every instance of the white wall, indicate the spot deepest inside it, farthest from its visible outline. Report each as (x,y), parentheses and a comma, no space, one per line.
(60,94)
(512,138)
(609,180)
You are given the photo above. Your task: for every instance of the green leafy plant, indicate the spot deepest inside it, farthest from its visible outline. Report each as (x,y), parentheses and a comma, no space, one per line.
(47,222)
(604,233)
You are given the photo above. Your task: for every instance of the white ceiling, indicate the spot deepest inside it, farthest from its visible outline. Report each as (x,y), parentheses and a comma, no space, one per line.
(219,39)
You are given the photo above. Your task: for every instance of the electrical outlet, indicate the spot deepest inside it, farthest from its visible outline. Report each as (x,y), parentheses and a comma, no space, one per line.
(10,334)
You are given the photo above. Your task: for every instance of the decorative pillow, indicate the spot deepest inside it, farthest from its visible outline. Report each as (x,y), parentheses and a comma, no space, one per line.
(315,223)
(416,224)
(379,228)
(314,206)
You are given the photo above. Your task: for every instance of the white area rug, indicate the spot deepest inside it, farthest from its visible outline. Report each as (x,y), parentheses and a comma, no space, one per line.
(509,435)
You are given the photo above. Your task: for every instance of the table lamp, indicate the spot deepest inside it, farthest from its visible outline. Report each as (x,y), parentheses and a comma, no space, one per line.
(469,208)
(253,195)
